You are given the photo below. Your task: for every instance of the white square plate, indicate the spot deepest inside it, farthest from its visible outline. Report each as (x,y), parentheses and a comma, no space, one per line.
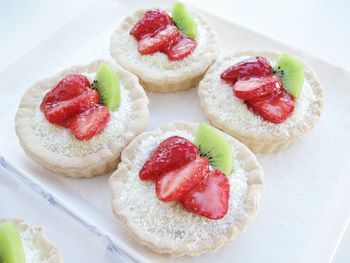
(303,211)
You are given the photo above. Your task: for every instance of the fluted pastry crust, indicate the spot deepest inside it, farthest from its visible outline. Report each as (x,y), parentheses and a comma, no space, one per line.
(95,163)
(178,247)
(52,253)
(259,135)
(159,74)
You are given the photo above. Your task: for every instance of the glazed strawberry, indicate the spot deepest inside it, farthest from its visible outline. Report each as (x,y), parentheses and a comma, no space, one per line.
(151,44)
(254,66)
(89,123)
(175,184)
(152,21)
(180,48)
(156,31)
(171,154)
(248,88)
(69,87)
(210,197)
(275,108)
(62,111)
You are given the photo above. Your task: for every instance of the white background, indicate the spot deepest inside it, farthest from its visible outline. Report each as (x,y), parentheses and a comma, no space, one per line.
(320,27)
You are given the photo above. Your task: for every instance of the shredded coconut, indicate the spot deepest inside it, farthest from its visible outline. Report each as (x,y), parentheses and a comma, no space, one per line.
(158,60)
(231,109)
(171,220)
(61,141)
(32,251)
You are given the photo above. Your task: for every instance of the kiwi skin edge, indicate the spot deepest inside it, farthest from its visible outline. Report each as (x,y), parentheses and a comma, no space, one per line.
(107,84)
(291,71)
(214,146)
(183,20)
(11,249)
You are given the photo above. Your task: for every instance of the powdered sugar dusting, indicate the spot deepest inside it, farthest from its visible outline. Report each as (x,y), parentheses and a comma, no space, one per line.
(32,250)
(171,220)
(228,108)
(158,60)
(61,141)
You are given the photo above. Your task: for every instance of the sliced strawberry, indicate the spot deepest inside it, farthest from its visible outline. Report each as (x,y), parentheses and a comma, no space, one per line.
(180,48)
(249,88)
(150,23)
(210,197)
(89,123)
(254,66)
(275,109)
(60,112)
(69,87)
(156,31)
(175,184)
(151,44)
(171,154)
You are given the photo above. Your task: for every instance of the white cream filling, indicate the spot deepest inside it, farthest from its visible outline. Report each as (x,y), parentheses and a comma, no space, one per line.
(171,220)
(234,111)
(32,251)
(61,141)
(159,61)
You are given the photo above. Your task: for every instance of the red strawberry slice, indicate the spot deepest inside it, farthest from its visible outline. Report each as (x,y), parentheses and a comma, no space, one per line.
(210,197)
(275,109)
(89,123)
(150,23)
(151,44)
(254,66)
(249,88)
(69,87)
(171,154)
(180,48)
(60,112)
(175,184)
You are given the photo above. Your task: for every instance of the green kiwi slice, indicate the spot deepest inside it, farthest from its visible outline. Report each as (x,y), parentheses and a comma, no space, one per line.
(183,20)
(108,86)
(11,248)
(291,71)
(215,147)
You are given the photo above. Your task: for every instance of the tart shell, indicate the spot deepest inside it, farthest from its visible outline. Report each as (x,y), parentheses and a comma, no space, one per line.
(97,163)
(180,248)
(53,254)
(265,142)
(162,80)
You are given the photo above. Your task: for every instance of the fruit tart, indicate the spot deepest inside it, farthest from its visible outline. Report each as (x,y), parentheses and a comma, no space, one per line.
(23,243)
(169,50)
(267,100)
(186,189)
(77,122)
